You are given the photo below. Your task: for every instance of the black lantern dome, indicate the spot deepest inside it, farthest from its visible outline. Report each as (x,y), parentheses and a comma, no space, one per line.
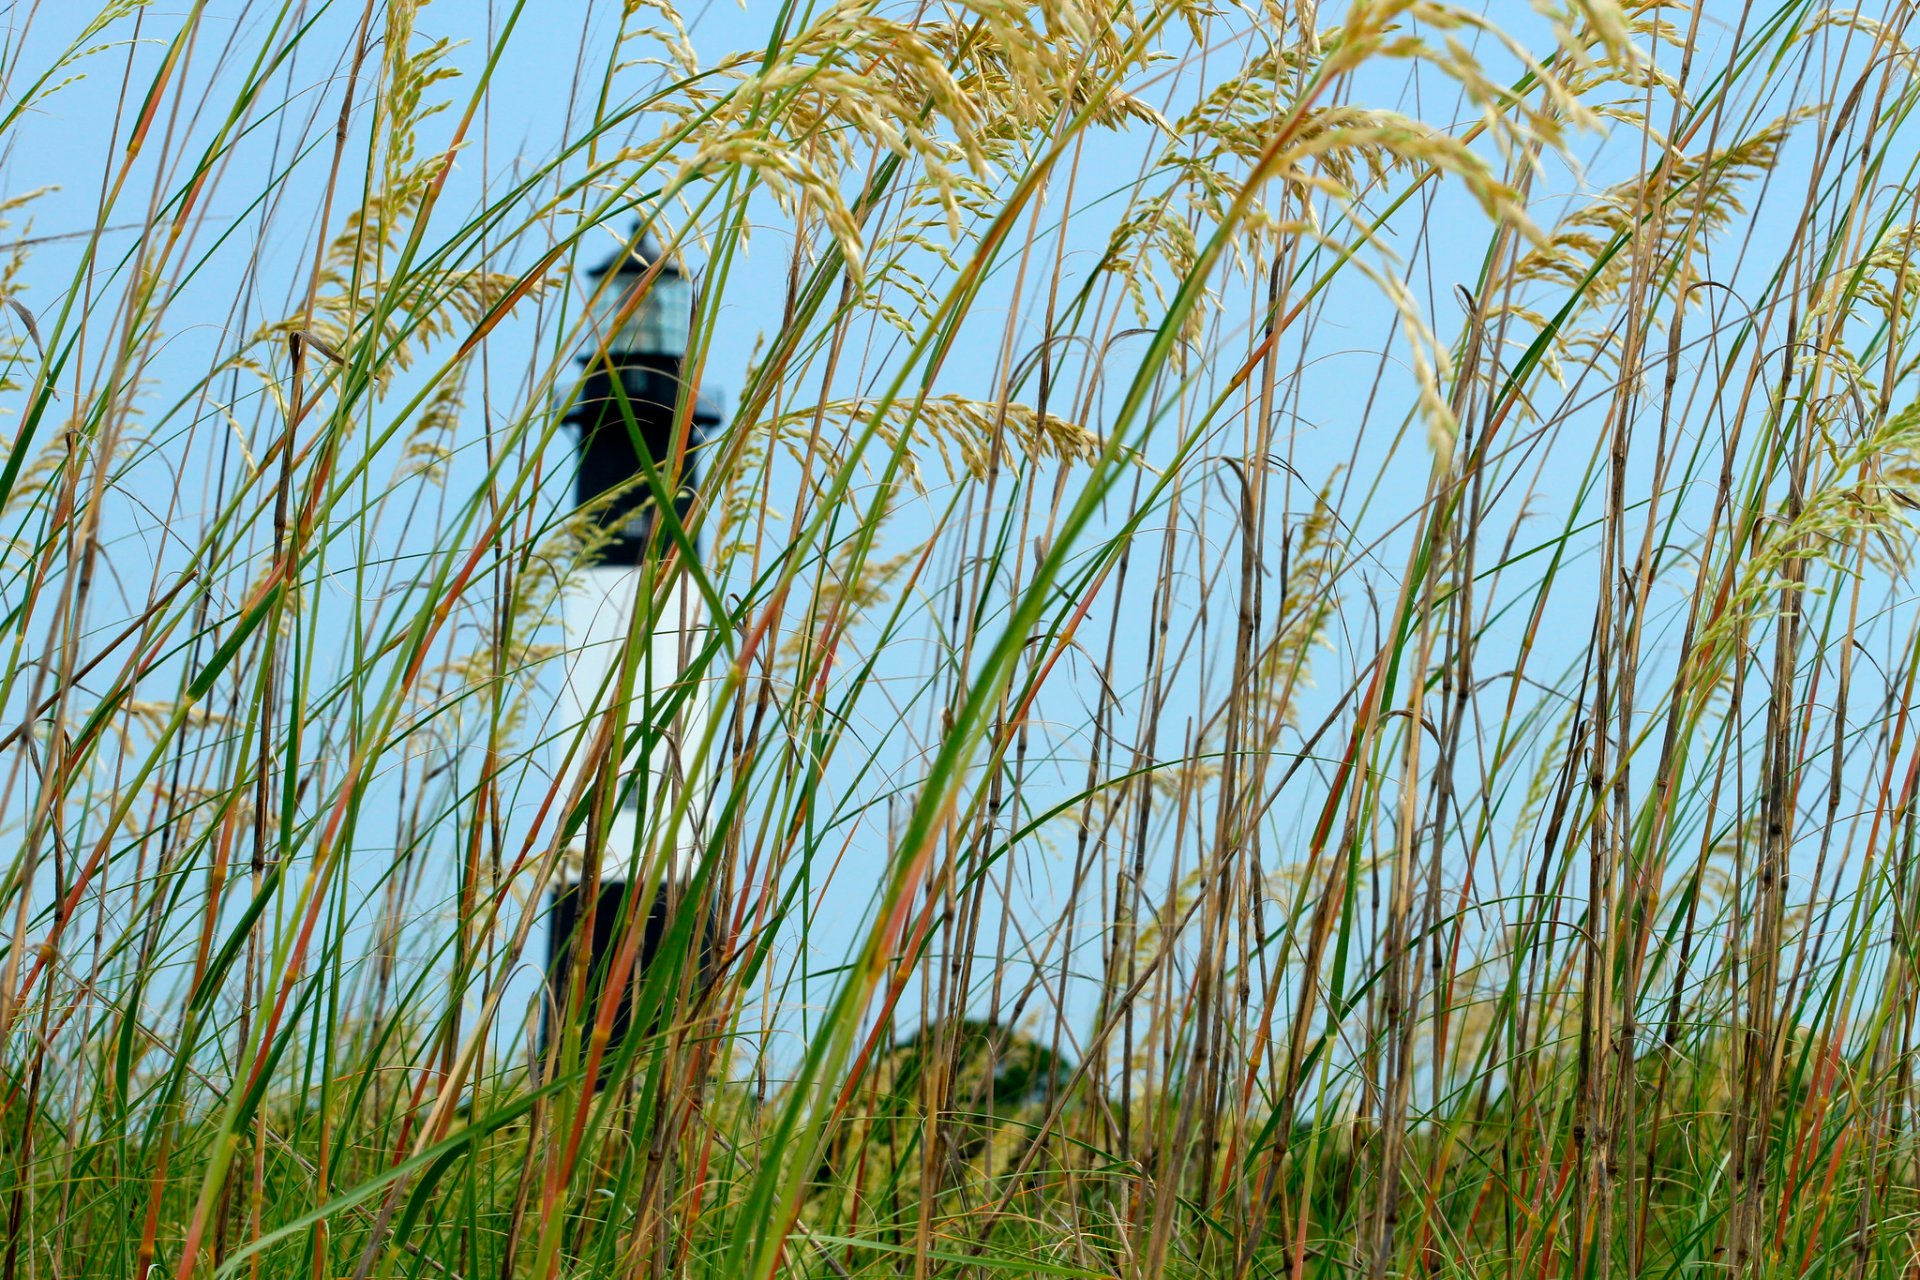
(633,382)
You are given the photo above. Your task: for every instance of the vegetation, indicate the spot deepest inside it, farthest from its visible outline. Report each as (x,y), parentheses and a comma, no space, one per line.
(1311,663)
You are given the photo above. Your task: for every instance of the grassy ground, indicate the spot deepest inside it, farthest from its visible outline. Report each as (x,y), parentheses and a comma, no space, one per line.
(1311,668)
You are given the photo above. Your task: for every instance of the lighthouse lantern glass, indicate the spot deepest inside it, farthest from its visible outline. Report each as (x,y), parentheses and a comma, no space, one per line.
(659,324)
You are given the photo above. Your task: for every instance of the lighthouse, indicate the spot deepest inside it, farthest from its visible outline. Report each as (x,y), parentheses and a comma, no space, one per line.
(625,411)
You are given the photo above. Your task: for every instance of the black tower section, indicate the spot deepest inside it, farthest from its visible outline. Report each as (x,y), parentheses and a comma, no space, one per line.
(611,443)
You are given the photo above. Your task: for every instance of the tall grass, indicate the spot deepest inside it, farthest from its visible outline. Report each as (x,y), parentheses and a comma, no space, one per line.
(1311,656)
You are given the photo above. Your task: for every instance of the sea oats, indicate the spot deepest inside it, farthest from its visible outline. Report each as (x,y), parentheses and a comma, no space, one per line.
(1301,657)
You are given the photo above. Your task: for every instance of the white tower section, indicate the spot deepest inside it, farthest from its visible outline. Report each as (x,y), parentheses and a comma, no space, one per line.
(600,611)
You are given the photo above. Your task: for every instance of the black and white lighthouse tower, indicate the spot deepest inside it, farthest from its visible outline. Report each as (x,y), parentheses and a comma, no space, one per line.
(625,411)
